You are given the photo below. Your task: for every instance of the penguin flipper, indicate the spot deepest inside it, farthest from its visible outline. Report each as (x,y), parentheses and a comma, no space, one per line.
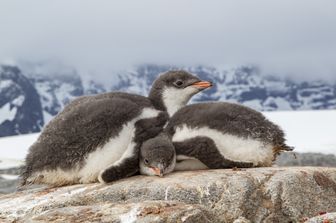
(205,150)
(127,168)
(150,127)
(124,167)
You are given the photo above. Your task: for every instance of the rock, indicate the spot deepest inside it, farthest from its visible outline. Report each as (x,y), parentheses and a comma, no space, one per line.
(280,194)
(306,159)
(7,186)
(11,171)
(324,218)
(148,211)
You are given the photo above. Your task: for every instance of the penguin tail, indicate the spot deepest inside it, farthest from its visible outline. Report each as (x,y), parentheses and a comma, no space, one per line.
(285,147)
(281,148)
(25,173)
(24,183)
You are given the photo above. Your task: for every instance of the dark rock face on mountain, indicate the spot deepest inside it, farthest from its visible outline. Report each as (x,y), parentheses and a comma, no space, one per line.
(20,106)
(56,90)
(48,91)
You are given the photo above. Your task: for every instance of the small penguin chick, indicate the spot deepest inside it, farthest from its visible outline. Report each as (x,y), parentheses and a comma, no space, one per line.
(157,156)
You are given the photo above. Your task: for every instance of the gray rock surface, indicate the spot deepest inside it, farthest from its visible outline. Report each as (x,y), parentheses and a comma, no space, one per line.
(285,159)
(306,159)
(324,218)
(281,194)
(7,186)
(148,211)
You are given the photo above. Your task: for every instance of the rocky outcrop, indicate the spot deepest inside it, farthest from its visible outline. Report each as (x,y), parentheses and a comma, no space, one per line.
(285,159)
(306,159)
(247,195)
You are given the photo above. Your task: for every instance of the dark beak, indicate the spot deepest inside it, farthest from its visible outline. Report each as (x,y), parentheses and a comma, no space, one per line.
(202,84)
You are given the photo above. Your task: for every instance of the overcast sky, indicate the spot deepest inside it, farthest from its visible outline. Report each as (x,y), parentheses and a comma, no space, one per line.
(288,37)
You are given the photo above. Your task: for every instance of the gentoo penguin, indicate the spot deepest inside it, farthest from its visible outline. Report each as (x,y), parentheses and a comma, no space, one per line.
(98,137)
(157,156)
(214,135)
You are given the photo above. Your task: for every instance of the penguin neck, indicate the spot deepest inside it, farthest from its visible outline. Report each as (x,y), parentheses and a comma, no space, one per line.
(156,100)
(168,100)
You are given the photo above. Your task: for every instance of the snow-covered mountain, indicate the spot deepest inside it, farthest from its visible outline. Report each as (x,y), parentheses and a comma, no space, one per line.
(242,84)
(56,87)
(31,95)
(20,105)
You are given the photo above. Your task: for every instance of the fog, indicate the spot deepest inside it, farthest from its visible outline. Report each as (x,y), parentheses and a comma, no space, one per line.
(288,38)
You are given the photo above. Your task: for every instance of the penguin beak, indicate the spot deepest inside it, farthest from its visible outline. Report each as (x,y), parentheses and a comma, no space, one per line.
(202,84)
(158,171)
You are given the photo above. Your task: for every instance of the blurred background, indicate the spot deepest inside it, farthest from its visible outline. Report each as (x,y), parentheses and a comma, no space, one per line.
(276,57)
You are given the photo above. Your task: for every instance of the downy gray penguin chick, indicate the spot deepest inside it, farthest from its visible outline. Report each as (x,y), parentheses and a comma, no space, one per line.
(98,137)
(157,156)
(216,135)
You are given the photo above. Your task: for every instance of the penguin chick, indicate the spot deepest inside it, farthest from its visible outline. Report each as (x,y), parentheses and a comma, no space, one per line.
(234,132)
(220,135)
(98,137)
(157,156)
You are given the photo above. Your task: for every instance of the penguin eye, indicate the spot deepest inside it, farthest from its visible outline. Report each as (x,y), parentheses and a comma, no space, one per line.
(146,161)
(179,83)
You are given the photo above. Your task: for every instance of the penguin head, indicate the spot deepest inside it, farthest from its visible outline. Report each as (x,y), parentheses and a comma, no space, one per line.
(157,156)
(173,89)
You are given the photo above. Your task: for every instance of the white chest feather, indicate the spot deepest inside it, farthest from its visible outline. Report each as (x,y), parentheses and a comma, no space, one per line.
(230,146)
(115,150)
(174,98)
(188,163)
(112,153)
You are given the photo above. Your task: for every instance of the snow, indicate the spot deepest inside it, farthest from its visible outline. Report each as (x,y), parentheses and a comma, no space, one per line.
(16,147)
(255,104)
(18,101)
(5,83)
(46,98)
(9,163)
(8,110)
(47,116)
(63,93)
(7,113)
(274,103)
(9,177)
(307,131)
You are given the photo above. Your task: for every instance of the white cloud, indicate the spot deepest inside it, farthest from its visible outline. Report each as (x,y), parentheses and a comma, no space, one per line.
(288,37)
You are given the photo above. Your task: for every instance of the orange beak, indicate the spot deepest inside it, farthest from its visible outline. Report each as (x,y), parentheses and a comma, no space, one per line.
(157,171)
(202,84)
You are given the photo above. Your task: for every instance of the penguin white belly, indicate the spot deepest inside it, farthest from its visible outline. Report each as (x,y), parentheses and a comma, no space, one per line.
(188,163)
(108,154)
(114,151)
(230,146)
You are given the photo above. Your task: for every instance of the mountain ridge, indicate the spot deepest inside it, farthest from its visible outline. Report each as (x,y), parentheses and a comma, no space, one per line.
(50,91)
